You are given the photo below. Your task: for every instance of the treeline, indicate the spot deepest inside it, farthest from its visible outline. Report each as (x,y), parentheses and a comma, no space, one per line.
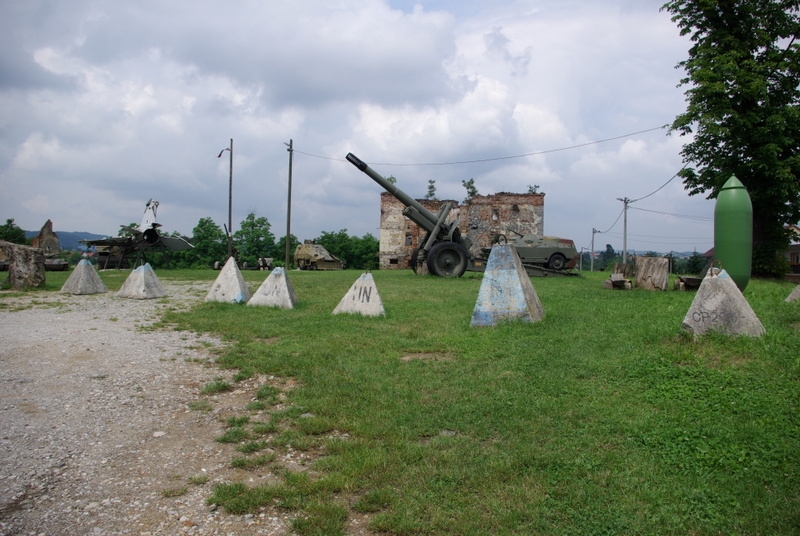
(252,241)
(255,240)
(606,260)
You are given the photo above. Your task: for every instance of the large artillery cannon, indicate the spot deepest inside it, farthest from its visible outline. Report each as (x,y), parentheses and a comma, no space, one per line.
(445,252)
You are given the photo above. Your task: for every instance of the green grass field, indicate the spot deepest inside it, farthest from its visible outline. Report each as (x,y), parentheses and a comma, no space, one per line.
(603,418)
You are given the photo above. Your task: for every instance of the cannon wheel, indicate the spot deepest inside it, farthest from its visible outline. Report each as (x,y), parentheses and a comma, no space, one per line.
(557,261)
(413,261)
(447,259)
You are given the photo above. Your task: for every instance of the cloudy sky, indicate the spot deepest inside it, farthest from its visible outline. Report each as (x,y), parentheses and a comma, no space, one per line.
(105,104)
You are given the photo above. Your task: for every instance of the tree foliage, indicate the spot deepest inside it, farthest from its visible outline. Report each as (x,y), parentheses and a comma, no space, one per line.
(11,232)
(609,257)
(359,253)
(280,250)
(472,190)
(254,239)
(431,190)
(743,80)
(210,244)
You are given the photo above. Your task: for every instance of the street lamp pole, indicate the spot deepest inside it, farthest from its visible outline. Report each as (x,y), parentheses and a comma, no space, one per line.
(290,146)
(230,197)
(626,201)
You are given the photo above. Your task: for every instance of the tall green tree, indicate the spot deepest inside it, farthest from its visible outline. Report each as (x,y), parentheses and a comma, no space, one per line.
(743,91)
(210,243)
(11,232)
(254,239)
(359,253)
(608,257)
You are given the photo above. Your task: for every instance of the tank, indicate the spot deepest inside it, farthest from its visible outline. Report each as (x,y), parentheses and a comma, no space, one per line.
(311,256)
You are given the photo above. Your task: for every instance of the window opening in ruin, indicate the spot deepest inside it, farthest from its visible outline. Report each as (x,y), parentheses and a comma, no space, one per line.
(495,215)
(409,238)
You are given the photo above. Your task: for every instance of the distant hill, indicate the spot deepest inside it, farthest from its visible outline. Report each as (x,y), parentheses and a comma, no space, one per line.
(70,240)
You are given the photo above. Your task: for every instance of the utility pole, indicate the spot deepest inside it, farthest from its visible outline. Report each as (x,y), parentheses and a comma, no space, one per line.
(626,201)
(591,255)
(230,198)
(290,146)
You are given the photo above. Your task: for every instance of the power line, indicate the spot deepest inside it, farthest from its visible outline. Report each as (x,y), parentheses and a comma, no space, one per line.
(684,216)
(659,188)
(497,158)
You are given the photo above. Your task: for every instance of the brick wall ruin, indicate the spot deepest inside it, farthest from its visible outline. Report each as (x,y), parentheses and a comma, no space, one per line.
(480,219)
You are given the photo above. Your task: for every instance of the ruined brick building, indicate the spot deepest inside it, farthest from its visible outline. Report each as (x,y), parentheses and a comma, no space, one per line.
(480,219)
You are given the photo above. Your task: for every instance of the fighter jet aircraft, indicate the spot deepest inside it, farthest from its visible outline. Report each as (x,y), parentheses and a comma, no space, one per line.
(113,252)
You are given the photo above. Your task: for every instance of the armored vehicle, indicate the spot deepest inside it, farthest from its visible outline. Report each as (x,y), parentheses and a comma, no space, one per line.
(445,252)
(548,251)
(311,256)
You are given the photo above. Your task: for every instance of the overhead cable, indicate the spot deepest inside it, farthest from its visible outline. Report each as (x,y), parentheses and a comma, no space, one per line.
(497,158)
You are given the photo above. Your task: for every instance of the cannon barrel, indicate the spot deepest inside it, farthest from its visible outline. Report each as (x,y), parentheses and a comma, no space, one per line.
(428,219)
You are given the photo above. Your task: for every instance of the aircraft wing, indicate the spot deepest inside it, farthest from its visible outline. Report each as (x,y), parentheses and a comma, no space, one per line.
(175,243)
(119,241)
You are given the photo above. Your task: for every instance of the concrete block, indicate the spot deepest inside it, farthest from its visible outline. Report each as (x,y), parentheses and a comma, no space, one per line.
(506,291)
(275,291)
(362,298)
(84,279)
(229,286)
(794,296)
(720,306)
(142,284)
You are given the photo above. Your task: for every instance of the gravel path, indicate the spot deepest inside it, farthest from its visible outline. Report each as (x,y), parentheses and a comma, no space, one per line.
(97,434)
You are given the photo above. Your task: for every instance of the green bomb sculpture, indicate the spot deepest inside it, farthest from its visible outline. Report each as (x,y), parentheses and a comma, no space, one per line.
(733,231)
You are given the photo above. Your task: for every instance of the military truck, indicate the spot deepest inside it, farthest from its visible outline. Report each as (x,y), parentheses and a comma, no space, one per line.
(311,256)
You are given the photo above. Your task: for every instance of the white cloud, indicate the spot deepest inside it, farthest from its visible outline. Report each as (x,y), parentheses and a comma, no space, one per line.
(108,104)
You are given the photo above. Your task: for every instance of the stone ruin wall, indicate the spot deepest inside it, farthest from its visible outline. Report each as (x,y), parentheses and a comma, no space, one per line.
(480,218)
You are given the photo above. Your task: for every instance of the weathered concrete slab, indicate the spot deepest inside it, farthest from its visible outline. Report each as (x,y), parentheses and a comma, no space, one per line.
(229,286)
(275,291)
(25,265)
(362,298)
(506,291)
(794,295)
(720,306)
(617,281)
(142,284)
(652,273)
(84,279)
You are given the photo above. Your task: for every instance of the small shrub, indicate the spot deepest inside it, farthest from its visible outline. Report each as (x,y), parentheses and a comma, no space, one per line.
(217,386)
(238,421)
(199,405)
(243,462)
(234,435)
(174,492)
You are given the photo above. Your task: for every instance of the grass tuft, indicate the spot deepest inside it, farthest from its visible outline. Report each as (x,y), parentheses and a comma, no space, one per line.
(217,386)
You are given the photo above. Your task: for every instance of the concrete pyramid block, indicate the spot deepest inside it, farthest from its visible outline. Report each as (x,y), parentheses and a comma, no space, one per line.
(362,298)
(229,286)
(794,296)
(142,284)
(84,279)
(506,291)
(720,306)
(275,291)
